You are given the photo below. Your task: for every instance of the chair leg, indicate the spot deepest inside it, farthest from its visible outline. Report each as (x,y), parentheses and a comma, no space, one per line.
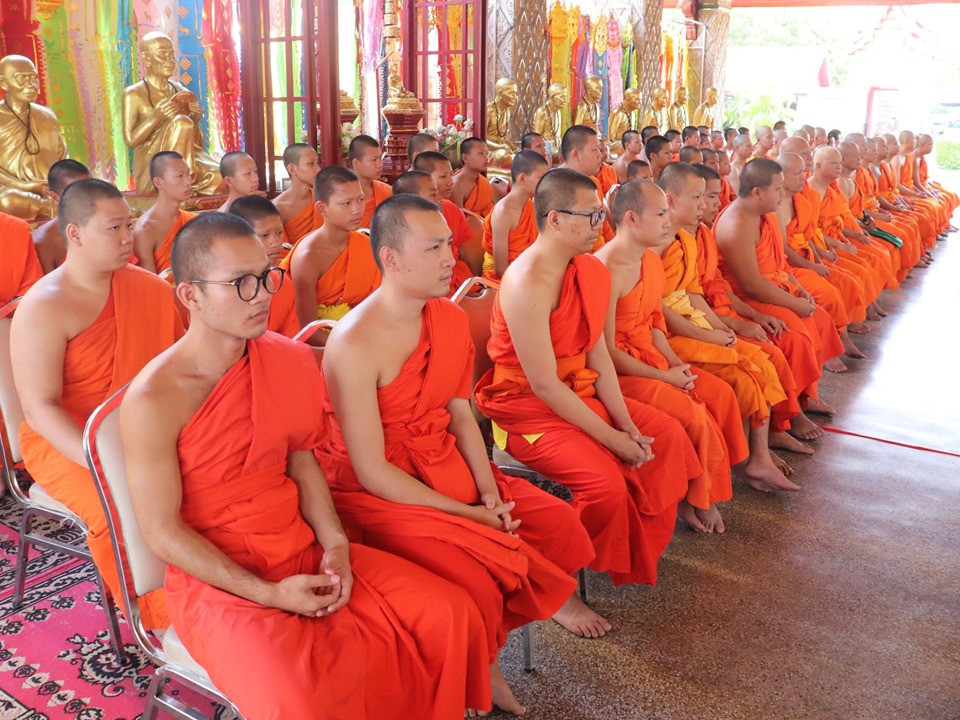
(527,647)
(156,688)
(113,625)
(20,572)
(582,578)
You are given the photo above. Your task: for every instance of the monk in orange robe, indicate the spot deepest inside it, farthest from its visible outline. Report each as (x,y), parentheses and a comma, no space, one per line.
(727,195)
(512,226)
(264,588)
(698,335)
(366,160)
(296,204)
(835,290)
(891,199)
(19,266)
(264,218)
(423,488)
(904,166)
(581,151)
(157,227)
(648,370)
(922,178)
(752,259)
(471,189)
(788,423)
(332,268)
(607,177)
(422,183)
(554,398)
(74,344)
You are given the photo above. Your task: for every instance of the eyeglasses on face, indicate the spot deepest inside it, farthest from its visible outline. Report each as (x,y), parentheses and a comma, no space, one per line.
(248,286)
(596,217)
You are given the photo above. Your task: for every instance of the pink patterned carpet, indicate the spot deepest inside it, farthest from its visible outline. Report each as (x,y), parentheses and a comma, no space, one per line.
(56,661)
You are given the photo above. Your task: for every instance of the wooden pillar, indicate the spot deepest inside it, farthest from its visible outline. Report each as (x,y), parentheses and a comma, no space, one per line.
(647,17)
(327,88)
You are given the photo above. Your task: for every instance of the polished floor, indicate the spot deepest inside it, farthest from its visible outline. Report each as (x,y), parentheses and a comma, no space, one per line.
(839,601)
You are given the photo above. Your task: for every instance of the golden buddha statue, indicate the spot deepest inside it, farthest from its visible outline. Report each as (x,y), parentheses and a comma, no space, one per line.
(706,112)
(657,114)
(677,118)
(160,114)
(548,119)
(588,109)
(499,113)
(30,141)
(621,119)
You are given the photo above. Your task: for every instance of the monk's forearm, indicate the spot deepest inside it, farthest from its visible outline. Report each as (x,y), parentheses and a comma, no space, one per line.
(568,406)
(387,481)
(626,364)
(661,344)
(797,260)
(463,426)
(679,325)
(316,504)
(57,427)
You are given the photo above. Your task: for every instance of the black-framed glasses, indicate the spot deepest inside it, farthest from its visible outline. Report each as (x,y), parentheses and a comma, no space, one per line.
(596,217)
(248,286)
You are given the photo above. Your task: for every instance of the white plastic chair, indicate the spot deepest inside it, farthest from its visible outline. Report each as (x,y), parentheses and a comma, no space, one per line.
(141,572)
(37,504)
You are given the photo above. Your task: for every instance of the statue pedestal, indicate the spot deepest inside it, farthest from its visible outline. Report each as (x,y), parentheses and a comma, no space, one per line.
(139,204)
(402,124)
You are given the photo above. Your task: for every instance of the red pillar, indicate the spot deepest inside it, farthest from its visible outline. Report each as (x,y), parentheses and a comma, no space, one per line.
(20,35)
(328,84)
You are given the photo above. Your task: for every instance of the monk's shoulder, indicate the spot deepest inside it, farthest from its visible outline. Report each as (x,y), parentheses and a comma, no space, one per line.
(292,355)
(449,313)
(148,285)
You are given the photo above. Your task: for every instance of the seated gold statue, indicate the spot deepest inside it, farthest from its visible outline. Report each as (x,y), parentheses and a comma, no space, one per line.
(620,120)
(588,109)
(499,114)
(678,118)
(657,114)
(706,112)
(30,141)
(548,120)
(160,114)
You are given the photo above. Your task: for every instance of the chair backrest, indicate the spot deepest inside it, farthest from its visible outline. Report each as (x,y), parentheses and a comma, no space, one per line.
(471,252)
(476,297)
(309,330)
(141,571)
(11,415)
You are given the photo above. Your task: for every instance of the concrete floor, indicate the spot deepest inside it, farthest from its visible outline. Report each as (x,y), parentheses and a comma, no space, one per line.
(840,601)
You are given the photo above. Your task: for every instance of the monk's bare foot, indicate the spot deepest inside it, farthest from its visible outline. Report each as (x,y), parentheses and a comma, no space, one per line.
(579,619)
(786,441)
(691,516)
(815,405)
(470,712)
(711,519)
(872,314)
(762,473)
(858,328)
(781,464)
(849,347)
(835,365)
(804,428)
(503,696)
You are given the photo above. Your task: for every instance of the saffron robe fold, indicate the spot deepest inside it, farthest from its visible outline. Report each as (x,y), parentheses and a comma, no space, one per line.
(303,223)
(381,191)
(519,239)
(457,222)
(513,580)
(19,266)
(890,243)
(161,256)
(929,206)
(772,264)
(637,314)
(406,638)
(606,231)
(607,177)
(630,514)
(744,367)
(138,322)
(347,282)
(718,294)
(912,247)
(888,189)
(283,310)
(950,199)
(480,199)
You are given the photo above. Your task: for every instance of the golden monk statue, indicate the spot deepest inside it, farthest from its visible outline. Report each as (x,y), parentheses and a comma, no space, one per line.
(30,141)
(160,114)
(657,114)
(547,120)
(588,109)
(499,113)
(620,119)
(677,118)
(706,113)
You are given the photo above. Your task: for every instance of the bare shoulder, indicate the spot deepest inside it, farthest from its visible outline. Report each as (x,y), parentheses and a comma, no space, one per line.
(161,397)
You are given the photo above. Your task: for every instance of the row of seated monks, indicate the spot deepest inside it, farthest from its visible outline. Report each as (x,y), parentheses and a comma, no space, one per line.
(339,544)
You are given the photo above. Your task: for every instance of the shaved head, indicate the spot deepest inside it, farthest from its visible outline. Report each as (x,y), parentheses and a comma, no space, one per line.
(794,168)
(632,196)
(849,152)
(758,173)
(674,177)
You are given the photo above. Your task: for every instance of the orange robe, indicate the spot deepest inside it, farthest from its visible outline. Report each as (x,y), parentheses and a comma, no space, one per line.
(457,222)
(606,232)
(480,199)
(607,177)
(348,280)
(772,264)
(929,206)
(19,266)
(637,314)
(304,222)
(161,256)
(283,310)
(912,247)
(726,193)
(717,292)
(835,216)
(405,639)
(381,191)
(951,199)
(857,204)
(513,580)
(630,514)
(802,235)
(137,323)
(887,186)
(519,239)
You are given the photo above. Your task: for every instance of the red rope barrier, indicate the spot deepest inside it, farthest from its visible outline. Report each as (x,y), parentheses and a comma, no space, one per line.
(838,431)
